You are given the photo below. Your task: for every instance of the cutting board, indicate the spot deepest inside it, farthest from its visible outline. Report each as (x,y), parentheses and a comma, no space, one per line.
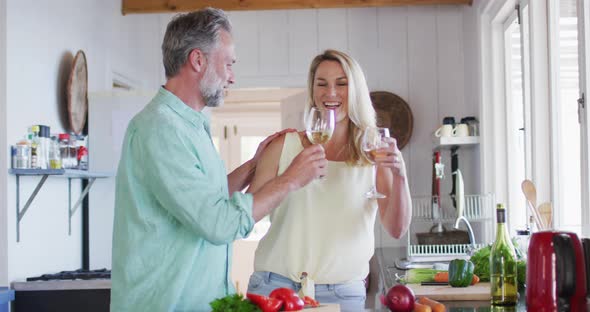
(325,308)
(477,292)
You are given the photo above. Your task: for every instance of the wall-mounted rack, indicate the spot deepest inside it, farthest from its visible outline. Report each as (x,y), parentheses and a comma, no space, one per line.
(44,174)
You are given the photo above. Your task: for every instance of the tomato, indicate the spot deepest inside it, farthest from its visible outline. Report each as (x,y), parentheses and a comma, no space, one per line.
(266,304)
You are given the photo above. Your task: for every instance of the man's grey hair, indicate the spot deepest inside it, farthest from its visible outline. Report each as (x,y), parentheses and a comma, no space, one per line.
(195,30)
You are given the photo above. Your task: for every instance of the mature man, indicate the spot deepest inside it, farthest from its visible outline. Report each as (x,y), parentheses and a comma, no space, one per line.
(176,211)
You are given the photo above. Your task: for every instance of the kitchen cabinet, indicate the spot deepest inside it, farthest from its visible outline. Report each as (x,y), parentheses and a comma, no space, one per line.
(44,174)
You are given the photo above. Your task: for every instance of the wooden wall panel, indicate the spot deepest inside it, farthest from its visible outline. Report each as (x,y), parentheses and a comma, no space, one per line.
(449,59)
(332,29)
(392,50)
(274,42)
(392,56)
(303,39)
(247,42)
(422,97)
(362,42)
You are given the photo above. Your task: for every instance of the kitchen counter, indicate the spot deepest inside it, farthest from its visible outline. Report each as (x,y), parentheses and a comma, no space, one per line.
(386,259)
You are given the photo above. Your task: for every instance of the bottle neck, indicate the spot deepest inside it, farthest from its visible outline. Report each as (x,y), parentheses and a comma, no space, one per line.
(502,229)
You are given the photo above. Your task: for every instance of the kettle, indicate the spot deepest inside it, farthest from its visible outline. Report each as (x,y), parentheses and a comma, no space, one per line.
(556,273)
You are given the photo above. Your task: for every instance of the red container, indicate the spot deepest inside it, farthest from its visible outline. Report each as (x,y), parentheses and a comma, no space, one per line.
(556,273)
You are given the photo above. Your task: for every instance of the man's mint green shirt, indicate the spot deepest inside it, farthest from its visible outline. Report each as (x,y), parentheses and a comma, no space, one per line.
(174,219)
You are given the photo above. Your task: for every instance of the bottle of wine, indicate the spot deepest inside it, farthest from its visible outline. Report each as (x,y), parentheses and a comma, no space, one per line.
(503,277)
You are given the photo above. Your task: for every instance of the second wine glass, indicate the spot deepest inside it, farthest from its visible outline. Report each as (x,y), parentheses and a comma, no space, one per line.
(373,140)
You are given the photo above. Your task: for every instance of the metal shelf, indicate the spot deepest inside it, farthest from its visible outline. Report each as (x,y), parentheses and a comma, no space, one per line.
(44,174)
(454,142)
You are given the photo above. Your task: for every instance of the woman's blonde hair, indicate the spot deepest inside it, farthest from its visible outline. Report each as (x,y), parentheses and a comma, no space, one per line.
(361,113)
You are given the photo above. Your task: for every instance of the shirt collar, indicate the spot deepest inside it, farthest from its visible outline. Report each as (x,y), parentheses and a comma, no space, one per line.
(170,99)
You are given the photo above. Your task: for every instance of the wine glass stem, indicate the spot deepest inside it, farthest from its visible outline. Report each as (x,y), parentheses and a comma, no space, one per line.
(375,178)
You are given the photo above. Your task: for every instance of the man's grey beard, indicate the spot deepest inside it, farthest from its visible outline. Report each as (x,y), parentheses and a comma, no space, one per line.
(212,94)
(213,98)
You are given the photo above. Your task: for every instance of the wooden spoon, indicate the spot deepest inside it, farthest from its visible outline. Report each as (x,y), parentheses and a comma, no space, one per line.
(546,213)
(530,192)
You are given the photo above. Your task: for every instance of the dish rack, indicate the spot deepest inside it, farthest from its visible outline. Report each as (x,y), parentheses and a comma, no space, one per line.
(479,212)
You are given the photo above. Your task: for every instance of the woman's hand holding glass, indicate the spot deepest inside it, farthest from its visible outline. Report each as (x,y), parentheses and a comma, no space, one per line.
(391,157)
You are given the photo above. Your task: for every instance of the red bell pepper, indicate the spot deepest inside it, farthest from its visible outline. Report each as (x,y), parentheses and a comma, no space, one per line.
(266,304)
(310,302)
(291,301)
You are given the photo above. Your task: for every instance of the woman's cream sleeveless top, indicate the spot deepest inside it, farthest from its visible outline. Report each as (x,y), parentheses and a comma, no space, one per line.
(324,228)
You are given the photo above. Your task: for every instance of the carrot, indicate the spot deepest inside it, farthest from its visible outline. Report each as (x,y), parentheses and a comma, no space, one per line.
(421,308)
(442,277)
(475,279)
(435,305)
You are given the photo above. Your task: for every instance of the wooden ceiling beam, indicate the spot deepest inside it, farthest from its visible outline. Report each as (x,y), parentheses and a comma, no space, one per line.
(173,6)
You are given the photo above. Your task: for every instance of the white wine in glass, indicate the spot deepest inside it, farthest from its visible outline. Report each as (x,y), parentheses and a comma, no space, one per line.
(319,137)
(374,139)
(319,125)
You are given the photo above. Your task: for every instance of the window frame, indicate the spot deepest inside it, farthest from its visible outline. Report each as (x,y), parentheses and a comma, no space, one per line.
(493,15)
(516,214)
(584,68)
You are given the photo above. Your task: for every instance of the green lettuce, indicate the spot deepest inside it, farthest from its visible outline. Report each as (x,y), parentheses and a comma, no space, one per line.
(233,303)
(481,261)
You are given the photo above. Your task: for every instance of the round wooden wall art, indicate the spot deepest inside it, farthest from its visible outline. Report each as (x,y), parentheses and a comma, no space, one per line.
(77,93)
(393,113)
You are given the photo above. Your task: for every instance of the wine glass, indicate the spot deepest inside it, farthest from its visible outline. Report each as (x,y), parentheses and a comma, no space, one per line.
(373,140)
(319,125)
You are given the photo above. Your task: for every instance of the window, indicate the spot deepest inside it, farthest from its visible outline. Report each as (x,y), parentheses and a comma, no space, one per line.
(552,85)
(518,143)
(565,76)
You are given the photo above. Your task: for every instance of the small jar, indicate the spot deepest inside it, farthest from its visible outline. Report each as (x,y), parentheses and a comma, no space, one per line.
(73,151)
(22,156)
(522,242)
(64,150)
(54,154)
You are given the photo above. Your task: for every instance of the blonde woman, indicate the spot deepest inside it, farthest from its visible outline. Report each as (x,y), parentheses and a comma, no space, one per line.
(326,228)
